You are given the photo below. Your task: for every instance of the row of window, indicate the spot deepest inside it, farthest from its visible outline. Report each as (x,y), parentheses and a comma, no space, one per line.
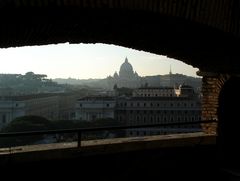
(155,95)
(156,91)
(175,112)
(159,119)
(144,104)
(106,105)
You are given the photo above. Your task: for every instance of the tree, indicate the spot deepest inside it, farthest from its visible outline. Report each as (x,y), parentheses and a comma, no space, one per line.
(28,123)
(25,124)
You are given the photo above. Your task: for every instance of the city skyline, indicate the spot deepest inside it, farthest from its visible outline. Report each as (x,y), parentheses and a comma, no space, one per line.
(83,61)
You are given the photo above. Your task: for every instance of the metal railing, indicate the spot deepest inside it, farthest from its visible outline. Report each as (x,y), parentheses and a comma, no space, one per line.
(79,131)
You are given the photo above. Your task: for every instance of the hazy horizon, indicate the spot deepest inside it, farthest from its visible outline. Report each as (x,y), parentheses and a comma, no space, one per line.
(86,61)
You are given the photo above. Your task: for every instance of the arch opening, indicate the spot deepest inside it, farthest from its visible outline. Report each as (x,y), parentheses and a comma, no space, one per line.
(145,88)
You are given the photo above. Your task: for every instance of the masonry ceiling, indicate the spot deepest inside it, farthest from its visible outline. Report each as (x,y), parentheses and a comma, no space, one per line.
(202,33)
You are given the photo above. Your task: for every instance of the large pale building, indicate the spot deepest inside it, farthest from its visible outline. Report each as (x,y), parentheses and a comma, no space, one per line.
(146,106)
(93,108)
(159,110)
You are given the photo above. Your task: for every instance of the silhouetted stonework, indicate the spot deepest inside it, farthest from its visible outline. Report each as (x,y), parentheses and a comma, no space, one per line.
(214,13)
(211,87)
(202,33)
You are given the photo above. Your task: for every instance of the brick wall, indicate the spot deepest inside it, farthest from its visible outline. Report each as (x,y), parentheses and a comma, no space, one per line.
(211,87)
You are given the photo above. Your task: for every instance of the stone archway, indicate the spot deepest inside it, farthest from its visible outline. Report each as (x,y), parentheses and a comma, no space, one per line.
(200,33)
(228,139)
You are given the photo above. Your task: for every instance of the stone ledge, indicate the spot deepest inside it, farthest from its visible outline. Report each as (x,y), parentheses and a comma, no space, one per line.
(105,146)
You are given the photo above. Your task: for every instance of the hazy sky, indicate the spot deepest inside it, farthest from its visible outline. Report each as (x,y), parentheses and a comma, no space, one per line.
(86,61)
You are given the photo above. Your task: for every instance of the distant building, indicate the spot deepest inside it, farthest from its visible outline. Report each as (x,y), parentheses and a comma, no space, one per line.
(9,110)
(129,78)
(156,92)
(49,106)
(158,110)
(146,106)
(92,108)
(126,77)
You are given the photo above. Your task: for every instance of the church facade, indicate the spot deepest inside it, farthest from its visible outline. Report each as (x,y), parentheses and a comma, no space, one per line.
(126,77)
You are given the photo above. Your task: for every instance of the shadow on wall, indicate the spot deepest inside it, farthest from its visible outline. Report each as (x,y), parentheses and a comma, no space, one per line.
(228,139)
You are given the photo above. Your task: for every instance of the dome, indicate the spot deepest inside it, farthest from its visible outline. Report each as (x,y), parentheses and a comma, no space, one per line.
(126,70)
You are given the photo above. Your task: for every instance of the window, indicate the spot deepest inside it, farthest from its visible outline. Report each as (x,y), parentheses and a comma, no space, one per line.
(4,120)
(137,118)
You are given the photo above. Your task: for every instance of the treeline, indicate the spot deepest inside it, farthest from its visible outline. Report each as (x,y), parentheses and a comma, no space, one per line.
(29,83)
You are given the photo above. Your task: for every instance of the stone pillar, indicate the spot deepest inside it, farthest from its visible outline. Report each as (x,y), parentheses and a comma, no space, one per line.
(211,87)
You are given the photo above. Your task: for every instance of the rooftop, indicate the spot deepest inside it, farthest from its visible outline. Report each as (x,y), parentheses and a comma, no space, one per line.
(92,98)
(32,96)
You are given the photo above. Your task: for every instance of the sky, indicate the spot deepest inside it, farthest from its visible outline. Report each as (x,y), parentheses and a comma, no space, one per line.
(83,61)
